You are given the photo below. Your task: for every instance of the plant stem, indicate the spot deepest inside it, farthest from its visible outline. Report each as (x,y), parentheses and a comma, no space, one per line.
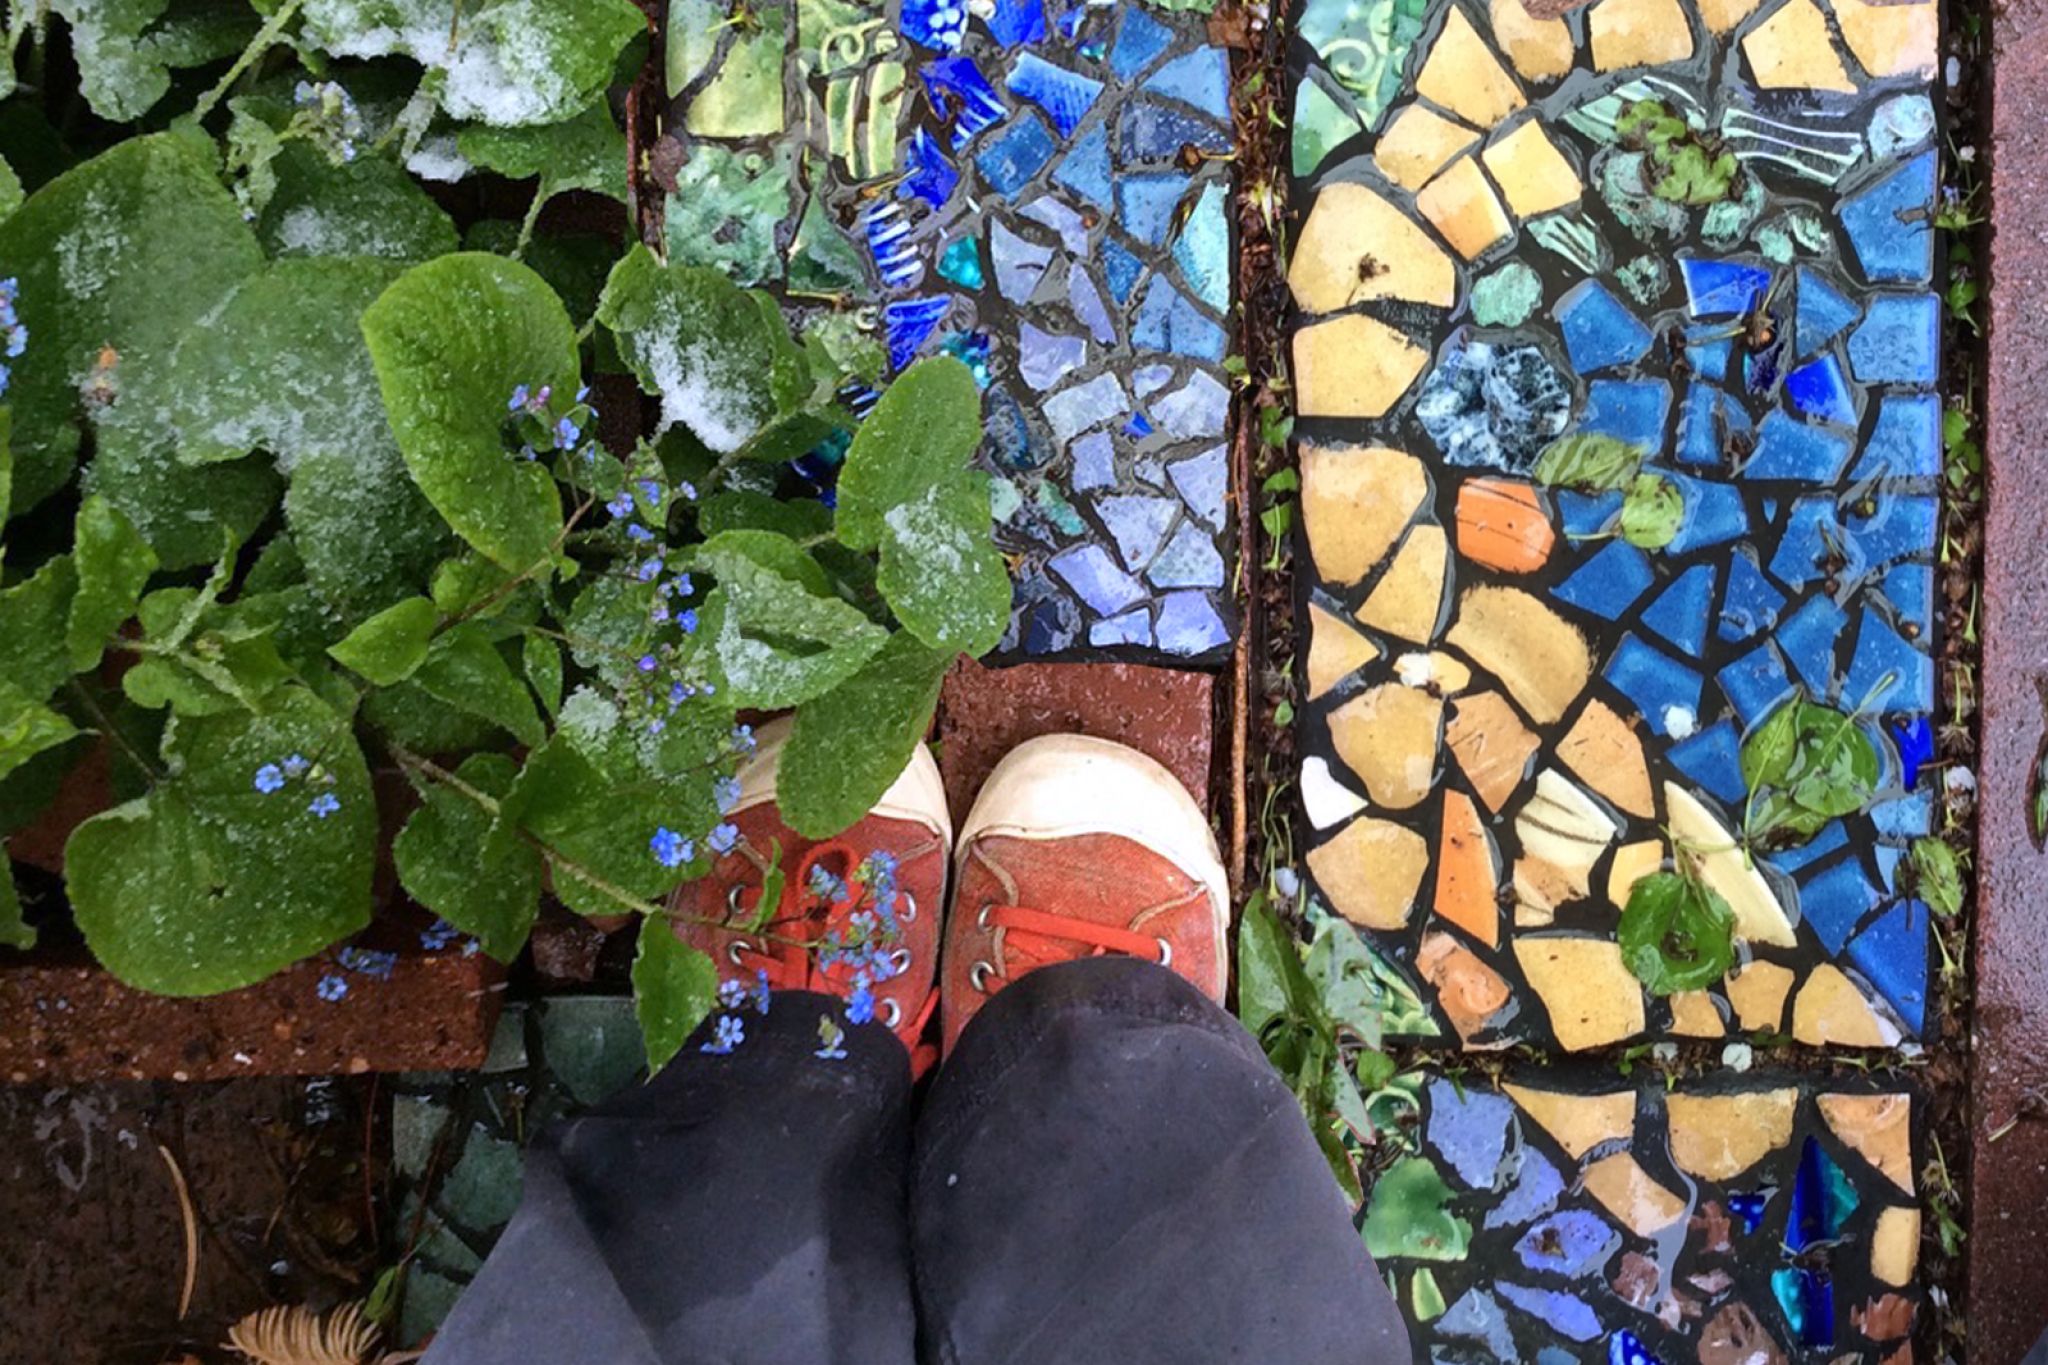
(526,225)
(260,44)
(113,731)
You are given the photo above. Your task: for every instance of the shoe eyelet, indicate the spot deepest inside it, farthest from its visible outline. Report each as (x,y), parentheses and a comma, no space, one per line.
(908,914)
(732,899)
(981,919)
(1165,952)
(735,948)
(978,975)
(890,1011)
(899,961)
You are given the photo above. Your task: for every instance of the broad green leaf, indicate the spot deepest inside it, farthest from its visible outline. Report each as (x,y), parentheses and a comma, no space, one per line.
(1939,880)
(390,646)
(919,436)
(507,62)
(773,643)
(542,660)
(1676,934)
(1767,750)
(467,864)
(208,883)
(451,339)
(721,367)
(940,571)
(599,826)
(126,49)
(849,745)
(739,510)
(464,669)
(1348,990)
(365,207)
(1652,512)
(11,196)
(6,470)
(27,728)
(731,555)
(118,259)
(674,988)
(585,153)
(609,626)
(425,724)
(1268,968)
(35,617)
(14,929)
(113,563)
(1588,461)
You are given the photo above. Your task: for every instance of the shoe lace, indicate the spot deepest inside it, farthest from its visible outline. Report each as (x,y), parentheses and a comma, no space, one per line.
(1021,934)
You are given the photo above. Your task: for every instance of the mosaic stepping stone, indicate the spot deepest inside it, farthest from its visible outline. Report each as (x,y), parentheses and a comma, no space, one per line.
(1041,189)
(1560,1218)
(1615,361)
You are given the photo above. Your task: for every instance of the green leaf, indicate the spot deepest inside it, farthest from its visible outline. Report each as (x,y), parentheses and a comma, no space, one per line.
(740,510)
(849,745)
(1589,462)
(1676,934)
(207,883)
(450,340)
(14,929)
(6,470)
(721,366)
(126,49)
(600,824)
(34,620)
(118,259)
(920,435)
(11,196)
(542,659)
(390,646)
(467,864)
(1269,969)
(1652,512)
(513,62)
(1939,878)
(367,207)
(27,728)
(735,555)
(1768,749)
(1806,765)
(1341,972)
(113,563)
(940,571)
(464,668)
(674,988)
(771,643)
(586,153)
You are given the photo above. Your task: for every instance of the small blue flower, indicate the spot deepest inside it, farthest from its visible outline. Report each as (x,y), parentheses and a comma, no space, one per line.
(295,766)
(269,778)
(649,490)
(686,620)
(730,1033)
(825,886)
(368,961)
(860,1006)
(518,399)
(731,994)
(438,935)
(678,693)
(650,570)
(567,433)
(621,506)
(648,663)
(682,586)
(636,531)
(670,849)
(686,490)
(726,790)
(761,992)
(658,613)
(743,739)
(331,988)
(723,838)
(324,805)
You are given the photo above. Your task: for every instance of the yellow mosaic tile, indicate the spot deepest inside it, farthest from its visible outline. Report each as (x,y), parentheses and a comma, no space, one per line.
(1626,33)
(1335,651)
(1891,40)
(1389,736)
(1879,1128)
(1370,871)
(1492,746)
(1540,49)
(1632,863)
(1464,208)
(1416,145)
(1895,1246)
(1694,1015)
(1531,171)
(1408,601)
(1592,997)
(1727,868)
(1791,50)
(1723,16)
(1758,993)
(1356,247)
(1540,656)
(1718,1137)
(1830,1009)
(1355,502)
(1604,751)
(1353,366)
(1628,1192)
(1463,76)
(1579,1123)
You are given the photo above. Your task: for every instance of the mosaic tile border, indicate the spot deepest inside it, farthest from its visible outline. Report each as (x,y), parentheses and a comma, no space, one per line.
(1511,705)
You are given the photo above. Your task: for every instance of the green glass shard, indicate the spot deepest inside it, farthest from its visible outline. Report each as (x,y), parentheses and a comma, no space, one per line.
(1322,123)
(822,258)
(726,208)
(1408,1215)
(745,98)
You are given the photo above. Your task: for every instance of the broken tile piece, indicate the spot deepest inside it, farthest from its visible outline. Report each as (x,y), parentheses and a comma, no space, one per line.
(1891,39)
(1326,801)
(1791,50)
(1542,658)
(1693,1016)
(1531,171)
(1355,502)
(1727,868)
(1895,1246)
(1540,49)
(1592,998)
(1632,863)
(1830,1009)
(1370,872)
(1603,750)
(1408,599)
(1628,1192)
(1468,872)
(1878,1128)
(1462,75)
(1353,366)
(1335,651)
(1491,744)
(1502,524)
(1388,735)
(1469,992)
(1357,246)
(1638,33)
(1718,1137)
(1723,16)
(1415,146)
(1578,1123)
(1462,206)
(1757,991)
(1566,829)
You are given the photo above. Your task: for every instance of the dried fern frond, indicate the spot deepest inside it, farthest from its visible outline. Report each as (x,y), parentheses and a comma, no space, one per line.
(299,1336)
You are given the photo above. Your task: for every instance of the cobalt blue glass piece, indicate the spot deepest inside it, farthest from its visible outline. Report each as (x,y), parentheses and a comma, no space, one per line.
(1892,955)
(1066,96)
(1899,340)
(1713,759)
(1153,134)
(929,175)
(1203,482)
(1891,223)
(1015,22)
(1202,251)
(1713,514)
(1569,1243)
(1134,627)
(1189,625)
(909,323)
(1822,1199)
(1469,1127)
(1566,1314)
(1658,684)
(936,24)
(1808,1301)
(1718,289)
(1820,313)
(1137,522)
(1752,604)
(1906,817)
(1145,205)
(1095,577)
(1915,740)
(1808,638)
(1050,624)
(961,263)
(1680,612)
(1905,442)
(888,229)
(1200,78)
(1122,269)
(1910,590)
(1085,168)
(1749,1208)
(1628,410)
(1587,514)
(1899,527)
(1019,264)
(1167,321)
(1834,902)
(1819,389)
(1536,1190)
(1013,158)
(1608,583)
(1138,43)
(1189,560)
(1885,672)
(1755,683)
(1707,350)
(1139,427)
(1812,534)
(962,98)
(1624,1348)
(1761,365)
(1599,332)
(1833,838)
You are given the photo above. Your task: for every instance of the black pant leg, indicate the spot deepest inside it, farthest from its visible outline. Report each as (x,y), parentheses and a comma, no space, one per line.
(1107,1170)
(739,1208)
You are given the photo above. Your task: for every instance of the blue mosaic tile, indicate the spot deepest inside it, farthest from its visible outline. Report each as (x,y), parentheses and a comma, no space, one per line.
(1788,448)
(1835,900)
(1752,603)
(1680,612)
(1898,341)
(1200,78)
(1628,410)
(1808,637)
(1905,441)
(1066,96)
(1609,583)
(1140,41)
(1755,683)
(1892,955)
(1823,313)
(1890,225)
(1662,689)
(1717,288)
(1819,389)
(1712,759)
(1599,330)
(1887,673)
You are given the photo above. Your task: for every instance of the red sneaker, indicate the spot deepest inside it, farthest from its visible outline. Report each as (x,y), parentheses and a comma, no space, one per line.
(858,916)
(1078,847)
